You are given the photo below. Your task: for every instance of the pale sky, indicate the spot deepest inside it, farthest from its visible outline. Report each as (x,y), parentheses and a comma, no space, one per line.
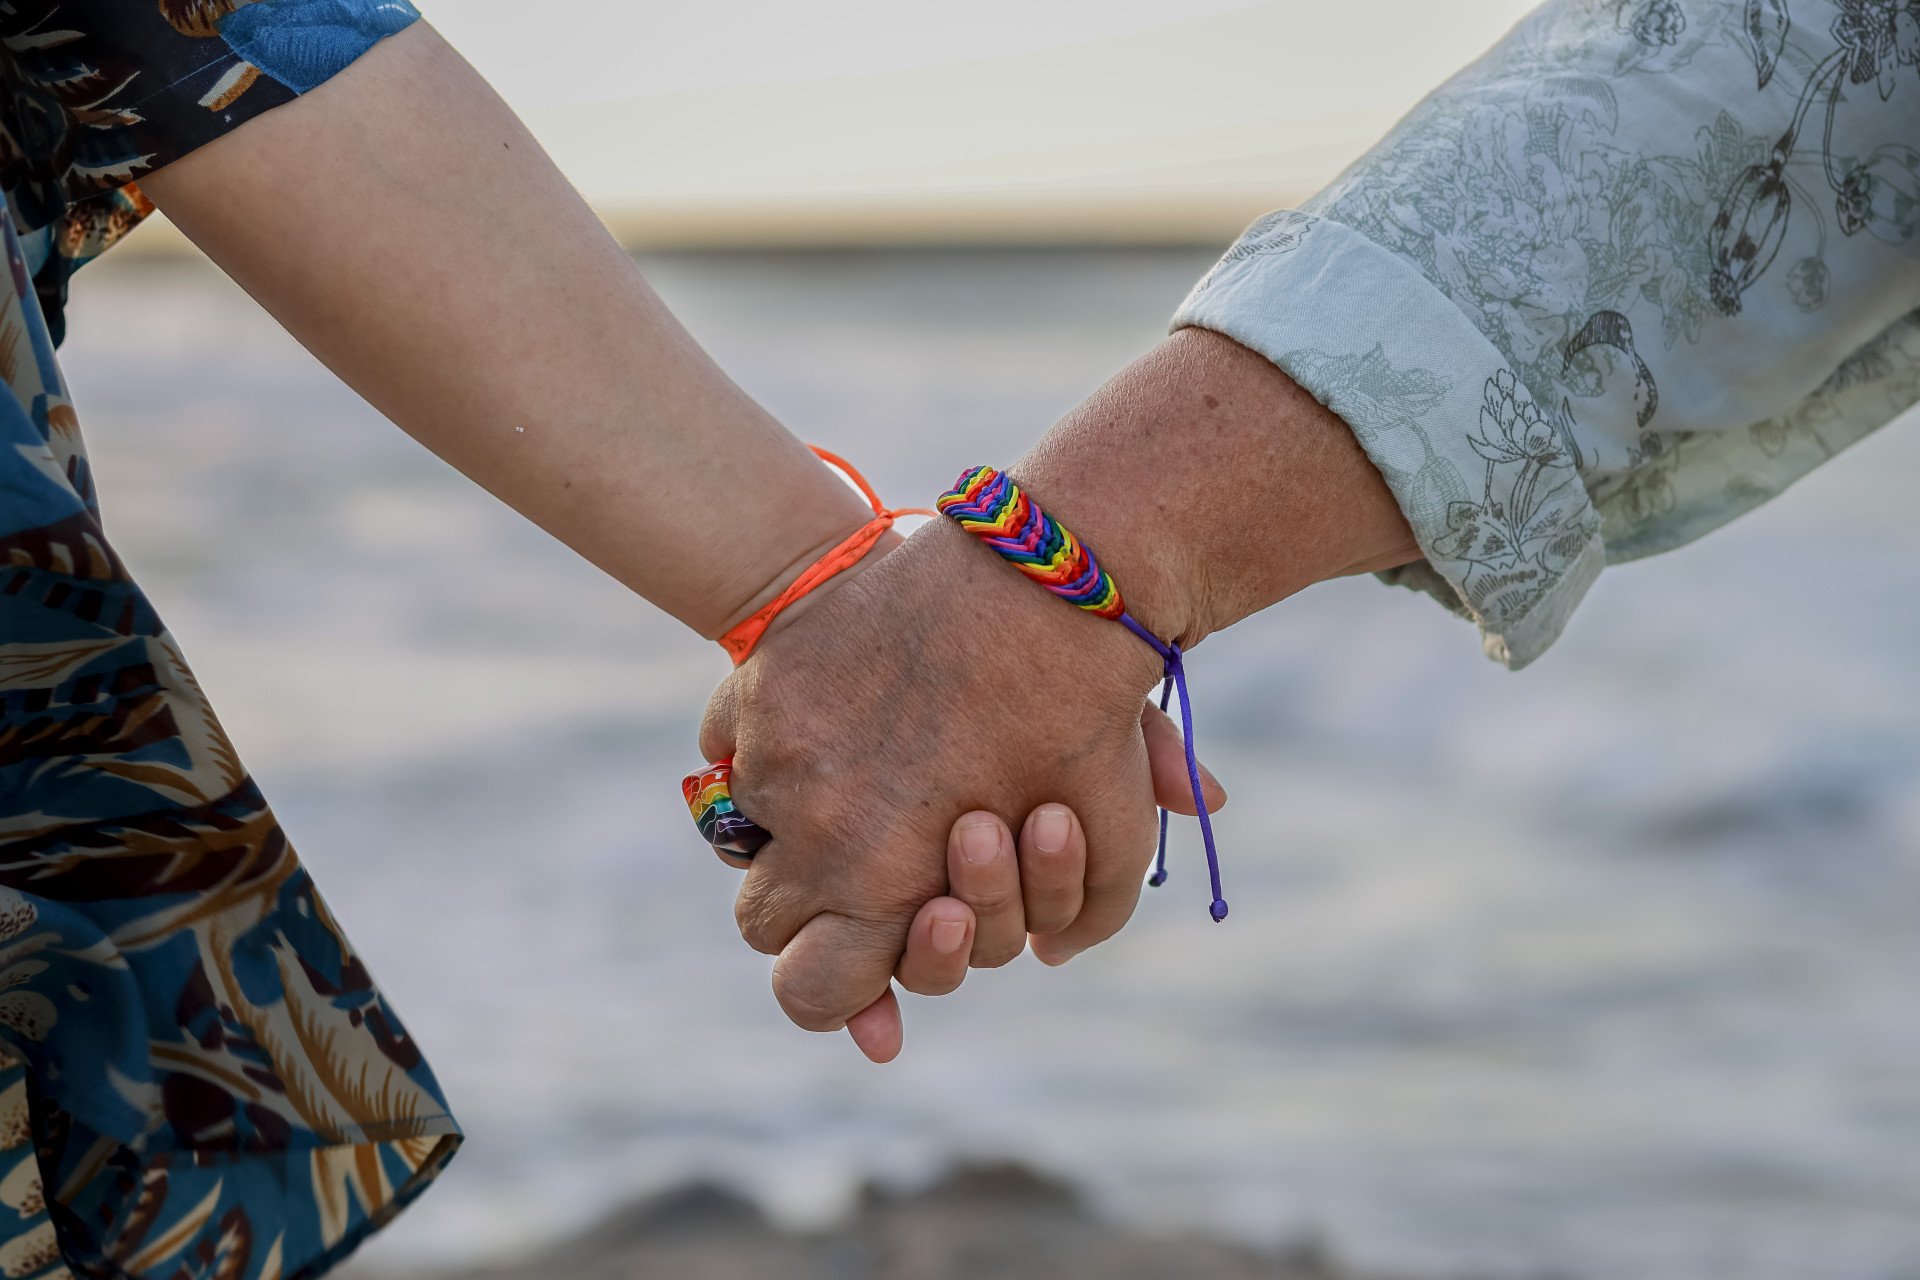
(704,108)
(605,50)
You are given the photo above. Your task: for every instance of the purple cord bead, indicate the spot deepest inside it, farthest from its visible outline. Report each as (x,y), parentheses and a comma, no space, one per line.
(1176,679)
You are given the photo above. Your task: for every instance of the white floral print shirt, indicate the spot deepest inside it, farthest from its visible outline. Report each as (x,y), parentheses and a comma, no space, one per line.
(1628,276)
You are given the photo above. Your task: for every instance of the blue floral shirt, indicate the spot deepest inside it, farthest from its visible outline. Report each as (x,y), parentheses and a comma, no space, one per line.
(1628,276)
(199,1078)
(94,93)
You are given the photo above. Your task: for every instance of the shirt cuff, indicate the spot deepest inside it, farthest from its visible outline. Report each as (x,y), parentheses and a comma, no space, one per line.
(1484,475)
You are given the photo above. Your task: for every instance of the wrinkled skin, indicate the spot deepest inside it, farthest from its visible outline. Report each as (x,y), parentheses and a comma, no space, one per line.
(895,704)
(939,680)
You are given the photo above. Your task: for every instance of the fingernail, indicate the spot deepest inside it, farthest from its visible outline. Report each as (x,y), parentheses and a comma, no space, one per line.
(980,842)
(1206,775)
(948,935)
(1051,827)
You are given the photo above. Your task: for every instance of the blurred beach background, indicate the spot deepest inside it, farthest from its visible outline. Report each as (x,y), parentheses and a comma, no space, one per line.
(1601,970)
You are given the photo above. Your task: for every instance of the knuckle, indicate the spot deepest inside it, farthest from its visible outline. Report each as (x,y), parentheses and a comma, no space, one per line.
(996,954)
(1049,917)
(809,997)
(761,940)
(759,911)
(809,1016)
(1051,897)
(1091,929)
(1116,877)
(988,899)
(922,984)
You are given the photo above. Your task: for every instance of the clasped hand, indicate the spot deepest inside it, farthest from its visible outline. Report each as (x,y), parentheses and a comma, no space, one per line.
(938,682)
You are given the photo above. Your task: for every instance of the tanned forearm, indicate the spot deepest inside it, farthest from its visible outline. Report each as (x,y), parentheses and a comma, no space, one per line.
(1211,486)
(408,230)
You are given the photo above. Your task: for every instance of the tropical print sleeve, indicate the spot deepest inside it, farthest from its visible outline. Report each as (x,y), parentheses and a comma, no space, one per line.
(199,1078)
(94,93)
(1628,276)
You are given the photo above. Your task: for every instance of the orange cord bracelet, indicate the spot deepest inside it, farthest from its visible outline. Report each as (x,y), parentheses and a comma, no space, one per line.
(739,642)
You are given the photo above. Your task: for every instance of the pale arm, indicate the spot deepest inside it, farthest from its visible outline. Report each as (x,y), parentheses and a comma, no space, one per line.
(407,229)
(404,226)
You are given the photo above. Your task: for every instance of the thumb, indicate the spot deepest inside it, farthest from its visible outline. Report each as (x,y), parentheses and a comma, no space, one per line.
(876,1028)
(834,968)
(1167,761)
(718,727)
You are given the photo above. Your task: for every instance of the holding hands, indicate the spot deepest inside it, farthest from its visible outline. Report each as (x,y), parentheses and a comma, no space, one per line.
(863,726)
(934,680)
(923,681)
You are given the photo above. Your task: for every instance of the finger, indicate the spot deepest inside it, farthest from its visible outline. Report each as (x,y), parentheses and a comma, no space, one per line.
(778,895)
(1167,759)
(876,1028)
(717,743)
(983,872)
(1119,847)
(717,736)
(1053,868)
(1106,911)
(773,903)
(938,944)
(834,967)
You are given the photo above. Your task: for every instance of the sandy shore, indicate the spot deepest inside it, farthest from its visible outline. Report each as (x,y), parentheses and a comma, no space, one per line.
(987,1222)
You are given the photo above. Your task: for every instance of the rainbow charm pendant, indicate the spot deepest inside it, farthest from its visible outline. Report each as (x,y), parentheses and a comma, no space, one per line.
(721,825)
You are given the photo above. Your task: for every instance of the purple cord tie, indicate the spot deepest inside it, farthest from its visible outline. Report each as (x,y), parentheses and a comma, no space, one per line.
(1176,677)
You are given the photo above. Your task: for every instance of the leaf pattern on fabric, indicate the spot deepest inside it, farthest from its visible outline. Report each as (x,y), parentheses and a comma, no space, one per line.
(1279,232)
(95,93)
(1673,227)
(1658,22)
(1766,23)
(1523,526)
(193,1055)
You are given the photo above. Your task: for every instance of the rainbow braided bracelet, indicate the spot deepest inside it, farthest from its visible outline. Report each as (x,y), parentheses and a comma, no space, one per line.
(991,507)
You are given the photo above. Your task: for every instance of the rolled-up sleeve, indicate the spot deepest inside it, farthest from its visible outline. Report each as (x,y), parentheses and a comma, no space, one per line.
(1626,277)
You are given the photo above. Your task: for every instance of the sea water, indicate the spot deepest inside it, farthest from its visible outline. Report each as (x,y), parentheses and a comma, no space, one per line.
(1605,969)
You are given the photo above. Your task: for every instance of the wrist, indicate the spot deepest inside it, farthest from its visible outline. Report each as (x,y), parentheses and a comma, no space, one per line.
(888,540)
(1098,500)
(819,568)
(766,556)
(1111,667)
(1210,485)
